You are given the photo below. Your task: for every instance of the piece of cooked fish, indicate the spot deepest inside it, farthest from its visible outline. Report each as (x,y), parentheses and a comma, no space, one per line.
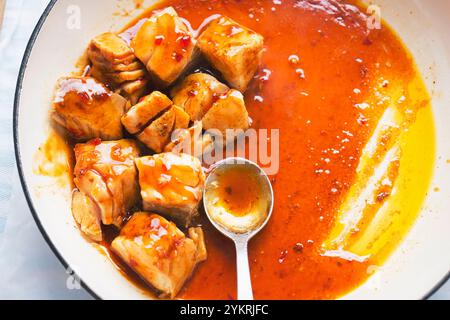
(197,93)
(133,91)
(159,252)
(87,109)
(232,49)
(87,215)
(146,110)
(191,141)
(157,135)
(110,49)
(228,112)
(172,185)
(165,44)
(114,63)
(182,119)
(154,121)
(105,172)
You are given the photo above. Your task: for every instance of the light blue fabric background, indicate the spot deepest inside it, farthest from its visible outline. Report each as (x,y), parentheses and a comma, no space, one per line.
(28,268)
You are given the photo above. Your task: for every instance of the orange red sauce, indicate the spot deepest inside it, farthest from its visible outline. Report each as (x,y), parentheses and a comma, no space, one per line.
(239,190)
(321,63)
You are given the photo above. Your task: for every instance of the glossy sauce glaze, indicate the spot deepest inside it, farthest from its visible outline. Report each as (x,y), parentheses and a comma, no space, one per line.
(326,81)
(320,66)
(87,90)
(170,178)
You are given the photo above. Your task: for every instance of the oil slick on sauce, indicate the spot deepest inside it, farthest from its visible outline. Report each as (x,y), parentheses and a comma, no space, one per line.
(328,89)
(325,83)
(54,159)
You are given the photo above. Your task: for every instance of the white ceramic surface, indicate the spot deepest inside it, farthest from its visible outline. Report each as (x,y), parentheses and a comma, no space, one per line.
(413,271)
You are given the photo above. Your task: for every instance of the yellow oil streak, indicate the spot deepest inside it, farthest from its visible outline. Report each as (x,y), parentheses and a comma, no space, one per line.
(393,178)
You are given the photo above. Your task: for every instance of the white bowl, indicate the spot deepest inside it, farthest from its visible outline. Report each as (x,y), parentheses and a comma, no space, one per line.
(417,268)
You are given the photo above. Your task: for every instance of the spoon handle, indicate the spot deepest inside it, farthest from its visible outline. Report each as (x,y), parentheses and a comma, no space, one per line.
(245,291)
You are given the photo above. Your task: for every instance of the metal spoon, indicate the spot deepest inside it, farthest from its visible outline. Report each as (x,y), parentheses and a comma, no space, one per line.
(239,234)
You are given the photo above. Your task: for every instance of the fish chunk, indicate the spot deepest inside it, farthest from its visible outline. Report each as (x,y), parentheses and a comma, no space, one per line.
(232,49)
(159,252)
(133,66)
(154,119)
(105,172)
(191,141)
(146,110)
(114,63)
(110,48)
(197,93)
(157,135)
(182,119)
(87,109)
(172,185)
(133,91)
(197,235)
(87,215)
(165,44)
(117,78)
(228,112)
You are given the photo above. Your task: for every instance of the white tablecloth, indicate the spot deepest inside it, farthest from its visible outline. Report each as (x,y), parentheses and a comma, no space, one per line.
(28,268)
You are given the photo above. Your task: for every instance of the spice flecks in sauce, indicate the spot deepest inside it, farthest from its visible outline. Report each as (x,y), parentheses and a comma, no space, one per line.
(238,197)
(342,65)
(239,191)
(323,135)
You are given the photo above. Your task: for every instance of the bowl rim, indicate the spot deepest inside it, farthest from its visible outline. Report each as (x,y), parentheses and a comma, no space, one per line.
(18,93)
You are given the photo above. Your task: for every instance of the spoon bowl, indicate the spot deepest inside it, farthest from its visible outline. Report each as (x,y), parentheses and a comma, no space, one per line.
(238,200)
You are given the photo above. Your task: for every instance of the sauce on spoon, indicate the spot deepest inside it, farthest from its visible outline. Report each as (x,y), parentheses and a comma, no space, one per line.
(238,200)
(238,197)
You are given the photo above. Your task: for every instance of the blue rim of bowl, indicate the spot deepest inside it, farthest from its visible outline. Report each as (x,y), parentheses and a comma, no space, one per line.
(26,191)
